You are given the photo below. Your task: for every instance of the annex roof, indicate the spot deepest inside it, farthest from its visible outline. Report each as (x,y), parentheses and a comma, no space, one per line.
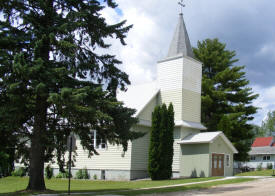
(138,96)
(206,137)
(180,43)
(262,150)
(262,141)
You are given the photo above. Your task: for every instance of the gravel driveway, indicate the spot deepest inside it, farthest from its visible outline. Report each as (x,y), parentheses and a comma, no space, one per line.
(261,187)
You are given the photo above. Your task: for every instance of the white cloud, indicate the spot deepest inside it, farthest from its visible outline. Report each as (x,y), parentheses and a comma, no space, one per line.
(267,50)
(265,102)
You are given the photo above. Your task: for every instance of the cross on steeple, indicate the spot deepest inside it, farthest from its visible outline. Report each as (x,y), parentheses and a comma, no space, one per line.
(181,5)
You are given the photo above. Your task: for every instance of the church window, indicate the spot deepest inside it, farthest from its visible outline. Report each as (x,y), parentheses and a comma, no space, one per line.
(97,141)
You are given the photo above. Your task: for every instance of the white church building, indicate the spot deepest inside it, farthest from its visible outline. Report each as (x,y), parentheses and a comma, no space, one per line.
(196,153)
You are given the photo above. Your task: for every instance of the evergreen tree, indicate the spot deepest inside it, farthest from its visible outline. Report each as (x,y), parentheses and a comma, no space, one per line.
(163,147)
(154,153)
(170,140)
(226,97)
(161,143)
(53,81)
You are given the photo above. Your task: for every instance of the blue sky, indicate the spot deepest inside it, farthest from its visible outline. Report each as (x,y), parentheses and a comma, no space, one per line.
(246,26)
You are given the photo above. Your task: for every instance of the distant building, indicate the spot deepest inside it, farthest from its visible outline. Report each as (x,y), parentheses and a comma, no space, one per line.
(262,152)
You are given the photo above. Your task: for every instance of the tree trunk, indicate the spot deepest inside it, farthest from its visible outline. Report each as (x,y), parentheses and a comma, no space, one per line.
(36,172)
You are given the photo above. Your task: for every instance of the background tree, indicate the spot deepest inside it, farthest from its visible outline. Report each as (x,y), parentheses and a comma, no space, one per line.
(53,81)
(161,143)
(257,131)
(226,97)
(268,125)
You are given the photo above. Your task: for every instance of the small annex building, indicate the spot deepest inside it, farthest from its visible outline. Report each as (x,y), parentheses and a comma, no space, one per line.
(207,154)
(178,82)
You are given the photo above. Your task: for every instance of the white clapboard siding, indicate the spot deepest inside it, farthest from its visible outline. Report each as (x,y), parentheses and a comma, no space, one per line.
(191,106)
(192,75)
(169,74)
(180,83)
(174,97)
(146,112)
(177,151)
(140,149)
(109,158)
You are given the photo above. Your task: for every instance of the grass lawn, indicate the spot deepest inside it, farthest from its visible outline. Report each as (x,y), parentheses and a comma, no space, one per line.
(268,172)
(180,188)
(9,185)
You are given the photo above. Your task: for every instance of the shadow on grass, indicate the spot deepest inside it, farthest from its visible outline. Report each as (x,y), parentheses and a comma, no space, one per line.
(27,193)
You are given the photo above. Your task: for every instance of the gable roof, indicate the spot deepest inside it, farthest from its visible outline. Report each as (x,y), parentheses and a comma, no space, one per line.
(262,141)
(138,96)
(180,43)
(206,137)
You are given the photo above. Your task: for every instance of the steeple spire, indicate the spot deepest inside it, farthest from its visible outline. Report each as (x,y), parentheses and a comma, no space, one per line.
(180,43)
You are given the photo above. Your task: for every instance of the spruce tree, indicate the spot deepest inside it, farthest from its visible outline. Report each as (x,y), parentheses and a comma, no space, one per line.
(226,97)
(54,82)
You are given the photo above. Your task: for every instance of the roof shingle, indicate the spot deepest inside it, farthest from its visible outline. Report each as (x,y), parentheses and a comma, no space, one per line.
(262,141)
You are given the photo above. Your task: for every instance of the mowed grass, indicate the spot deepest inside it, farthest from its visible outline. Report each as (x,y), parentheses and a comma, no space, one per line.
(268,172)
(179,188)
(12,184)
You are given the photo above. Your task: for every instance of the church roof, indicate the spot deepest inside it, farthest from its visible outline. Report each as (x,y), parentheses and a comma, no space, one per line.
(180,44)
(138,96)
(206,137)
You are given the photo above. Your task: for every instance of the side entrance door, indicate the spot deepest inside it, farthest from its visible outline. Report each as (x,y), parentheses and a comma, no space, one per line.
(217,165)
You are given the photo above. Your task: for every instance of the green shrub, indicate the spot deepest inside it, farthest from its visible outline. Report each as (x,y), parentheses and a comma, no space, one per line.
(21,171)
(260,167)
(85,174)
(82,174)
(48,172)
(63,174)
(95,177)
(269,166)
(79,174)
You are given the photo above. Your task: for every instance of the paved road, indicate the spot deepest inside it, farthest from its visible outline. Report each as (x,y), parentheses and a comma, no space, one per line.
(261,187)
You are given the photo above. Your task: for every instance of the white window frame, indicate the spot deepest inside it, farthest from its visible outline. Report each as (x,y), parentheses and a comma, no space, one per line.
(252,158)
(227,162)
(100,145)
(265,158)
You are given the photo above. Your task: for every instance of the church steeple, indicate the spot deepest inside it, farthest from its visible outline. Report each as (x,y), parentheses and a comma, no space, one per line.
(180,43)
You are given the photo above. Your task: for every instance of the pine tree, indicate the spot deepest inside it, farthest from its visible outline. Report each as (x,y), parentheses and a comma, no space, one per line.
(54,82)
(226,97)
